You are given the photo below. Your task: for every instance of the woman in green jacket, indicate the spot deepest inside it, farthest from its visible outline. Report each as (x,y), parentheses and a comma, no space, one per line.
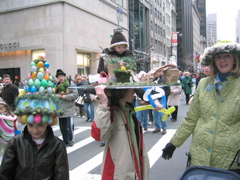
(213,117)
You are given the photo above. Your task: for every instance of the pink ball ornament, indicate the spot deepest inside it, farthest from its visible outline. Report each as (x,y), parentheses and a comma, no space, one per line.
(37,118)
(19,118)
(47,71)
(29,76)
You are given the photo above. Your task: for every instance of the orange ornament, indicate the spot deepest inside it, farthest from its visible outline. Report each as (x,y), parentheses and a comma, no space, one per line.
(54,118)
(46,77)
(34,75)
(40,64)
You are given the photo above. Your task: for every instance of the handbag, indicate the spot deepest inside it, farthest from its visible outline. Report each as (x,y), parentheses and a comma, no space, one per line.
(103,79)
(79,101)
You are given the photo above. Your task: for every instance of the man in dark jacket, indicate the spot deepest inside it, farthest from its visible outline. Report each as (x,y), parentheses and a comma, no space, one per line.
(9,91)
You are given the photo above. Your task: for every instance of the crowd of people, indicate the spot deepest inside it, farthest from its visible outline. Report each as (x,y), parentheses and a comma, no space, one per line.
(212,119)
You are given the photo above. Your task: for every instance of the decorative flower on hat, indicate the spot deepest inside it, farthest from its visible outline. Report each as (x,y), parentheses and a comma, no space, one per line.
(37,102)
(220,47)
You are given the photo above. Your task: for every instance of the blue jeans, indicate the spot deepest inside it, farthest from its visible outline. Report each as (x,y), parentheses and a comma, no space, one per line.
(142,115)
(158,119)
(66,129)
(89,114)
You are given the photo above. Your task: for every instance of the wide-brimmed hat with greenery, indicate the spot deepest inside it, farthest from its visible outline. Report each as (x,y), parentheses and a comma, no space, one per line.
(219,48)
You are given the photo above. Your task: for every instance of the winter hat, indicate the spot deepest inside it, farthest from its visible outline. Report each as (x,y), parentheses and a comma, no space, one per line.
(219,48)
(37,102)
(139,75)
(60,72)
(117,39)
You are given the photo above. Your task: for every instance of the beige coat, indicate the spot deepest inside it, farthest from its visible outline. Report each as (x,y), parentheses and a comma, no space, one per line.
(174,97)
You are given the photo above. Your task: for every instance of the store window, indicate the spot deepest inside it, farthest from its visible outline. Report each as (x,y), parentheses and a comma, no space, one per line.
(83,64)
(36,54)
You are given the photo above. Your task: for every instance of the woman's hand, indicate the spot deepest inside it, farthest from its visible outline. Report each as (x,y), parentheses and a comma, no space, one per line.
(101,95)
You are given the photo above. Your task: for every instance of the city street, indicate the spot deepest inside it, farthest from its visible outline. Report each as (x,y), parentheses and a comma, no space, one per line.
(85,156)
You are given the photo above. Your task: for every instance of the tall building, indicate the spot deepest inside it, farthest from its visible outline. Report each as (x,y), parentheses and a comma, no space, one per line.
(201,6)
(238,27)
(68,33)
(212,29)
(185,28)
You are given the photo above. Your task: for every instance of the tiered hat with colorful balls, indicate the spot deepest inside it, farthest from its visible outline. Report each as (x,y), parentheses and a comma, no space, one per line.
(37,102)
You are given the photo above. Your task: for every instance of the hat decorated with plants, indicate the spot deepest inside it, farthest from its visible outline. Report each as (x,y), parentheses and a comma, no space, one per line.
(219,48)
(37,102)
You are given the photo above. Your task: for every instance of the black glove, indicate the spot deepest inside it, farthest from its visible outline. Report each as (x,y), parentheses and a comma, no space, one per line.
(168,151)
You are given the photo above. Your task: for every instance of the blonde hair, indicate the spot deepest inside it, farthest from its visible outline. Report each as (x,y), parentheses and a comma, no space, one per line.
(235,70)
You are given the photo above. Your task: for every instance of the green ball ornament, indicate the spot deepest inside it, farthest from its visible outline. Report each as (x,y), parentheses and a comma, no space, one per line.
(45,118)
(44,83)
(33,63)
(30,82)
(37,83)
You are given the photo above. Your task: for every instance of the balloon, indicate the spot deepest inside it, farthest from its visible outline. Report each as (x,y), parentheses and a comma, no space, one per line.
(41,70)
(44,83)
(29,76)
(45,118)
(41,89)
(46,76)
(37,118)
(30,118)
(40,64)
(33,89)
(24,119)
(37,83)
(33,63)
(34,75)
(40,75)
(30,82)
(49,89)
(166,112)
(34,68)
(46,64)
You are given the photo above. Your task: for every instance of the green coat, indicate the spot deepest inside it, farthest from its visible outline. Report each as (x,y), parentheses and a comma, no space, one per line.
(187,84)
(214,122)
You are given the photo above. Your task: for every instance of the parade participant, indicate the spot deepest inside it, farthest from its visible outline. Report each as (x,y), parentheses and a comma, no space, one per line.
(67,97)
(213,116)
(9,91)
(36,153)
(115,123)
(118,48)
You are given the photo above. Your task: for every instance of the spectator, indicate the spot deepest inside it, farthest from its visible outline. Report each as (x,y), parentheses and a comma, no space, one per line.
(79,109)
(67,97)
(9,92)
(213,116)
(187,85)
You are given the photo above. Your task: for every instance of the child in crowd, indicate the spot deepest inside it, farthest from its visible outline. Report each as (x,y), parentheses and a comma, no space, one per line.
(7,123)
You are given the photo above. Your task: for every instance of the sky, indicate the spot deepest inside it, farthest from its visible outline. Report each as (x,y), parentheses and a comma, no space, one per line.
(226,11)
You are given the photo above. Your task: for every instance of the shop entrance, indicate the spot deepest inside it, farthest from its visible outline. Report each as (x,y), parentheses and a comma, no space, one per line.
(14,74)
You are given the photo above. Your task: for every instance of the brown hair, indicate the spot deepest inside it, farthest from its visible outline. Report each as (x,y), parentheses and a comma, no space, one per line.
(235,71)
(117,94)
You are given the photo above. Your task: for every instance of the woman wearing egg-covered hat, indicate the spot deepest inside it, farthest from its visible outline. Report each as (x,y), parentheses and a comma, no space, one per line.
(213,116)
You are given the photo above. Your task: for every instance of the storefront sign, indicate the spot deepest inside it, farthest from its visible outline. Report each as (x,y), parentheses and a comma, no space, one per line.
(9,45)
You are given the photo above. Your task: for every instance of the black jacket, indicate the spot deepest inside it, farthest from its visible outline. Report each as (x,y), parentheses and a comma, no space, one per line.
(23,161)
(8,94)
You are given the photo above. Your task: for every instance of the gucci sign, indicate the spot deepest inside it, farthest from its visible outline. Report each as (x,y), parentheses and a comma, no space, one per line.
(9,45)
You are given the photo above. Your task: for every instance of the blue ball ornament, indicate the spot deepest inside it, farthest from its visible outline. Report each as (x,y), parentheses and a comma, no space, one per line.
(41,89)
(40,75)
(27,89)
(34,68)
(46,64)
(33,89)
(30,118)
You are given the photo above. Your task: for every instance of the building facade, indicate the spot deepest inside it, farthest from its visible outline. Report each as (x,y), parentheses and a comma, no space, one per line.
(212,29)
(68,33)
